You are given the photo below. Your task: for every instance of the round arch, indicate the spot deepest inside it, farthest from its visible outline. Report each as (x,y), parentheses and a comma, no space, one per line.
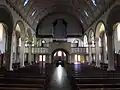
(101,43)
(76,41)
(7,19)
(100,33)
(20,28)
(100,27)
(116,40)
(60,49)
(112,20)
(20,39)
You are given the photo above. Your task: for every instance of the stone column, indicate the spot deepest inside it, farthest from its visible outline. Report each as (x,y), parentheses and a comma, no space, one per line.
(90,54)
(110,43)
(29,54)
(7,57)
(97,52)
(49,58)
(11,60)
(22,50)
(104,51)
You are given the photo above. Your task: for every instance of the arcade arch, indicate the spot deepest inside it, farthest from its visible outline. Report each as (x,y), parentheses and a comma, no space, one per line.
(60,54)
(116,30)
(101,44)
(6,21)
(3,44)
(21,37)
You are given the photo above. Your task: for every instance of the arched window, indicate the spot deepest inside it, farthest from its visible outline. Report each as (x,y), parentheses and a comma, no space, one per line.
(76,42)
(101,27)
(64,54)
(92,39)
(94,2)
(26,2)
(55,54)
(59,53)
(81,43)
(44,58)
(85,41)
(1,31)
(18,28)
(86,13)
(42,43)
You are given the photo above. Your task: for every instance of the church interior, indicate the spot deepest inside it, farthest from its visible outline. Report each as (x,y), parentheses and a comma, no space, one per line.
(59,45)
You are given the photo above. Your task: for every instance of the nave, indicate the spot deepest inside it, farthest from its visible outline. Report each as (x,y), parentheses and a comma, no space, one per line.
(69,77)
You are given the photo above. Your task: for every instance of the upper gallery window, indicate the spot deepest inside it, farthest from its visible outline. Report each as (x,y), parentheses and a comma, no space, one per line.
(86,13)
(25,3)
(33,13)
(81,21)
(85,41)
(94,2)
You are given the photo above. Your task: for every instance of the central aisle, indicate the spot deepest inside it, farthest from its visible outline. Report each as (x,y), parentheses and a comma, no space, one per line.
(59,80)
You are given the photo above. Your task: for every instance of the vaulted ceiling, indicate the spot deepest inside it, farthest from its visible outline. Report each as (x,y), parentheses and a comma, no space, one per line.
(86,11)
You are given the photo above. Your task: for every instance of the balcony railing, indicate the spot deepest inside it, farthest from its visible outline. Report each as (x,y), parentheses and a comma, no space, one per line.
(41,50)
(44,50)
(78,50)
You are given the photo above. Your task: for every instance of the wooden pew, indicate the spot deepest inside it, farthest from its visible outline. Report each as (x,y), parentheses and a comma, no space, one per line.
(96,82)
(22,85)
(24,80)
(27,78)
(100,86)
(16,88)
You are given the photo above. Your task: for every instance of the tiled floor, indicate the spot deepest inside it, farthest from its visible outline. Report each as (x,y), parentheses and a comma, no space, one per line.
(59,80)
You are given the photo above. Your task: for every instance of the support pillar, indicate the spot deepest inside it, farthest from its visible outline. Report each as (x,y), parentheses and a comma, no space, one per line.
(7,57)
(11,61)
(30,55)
(104,51)
(49,58)
(22,49)
(90,54)
(110,39)
(97,53)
